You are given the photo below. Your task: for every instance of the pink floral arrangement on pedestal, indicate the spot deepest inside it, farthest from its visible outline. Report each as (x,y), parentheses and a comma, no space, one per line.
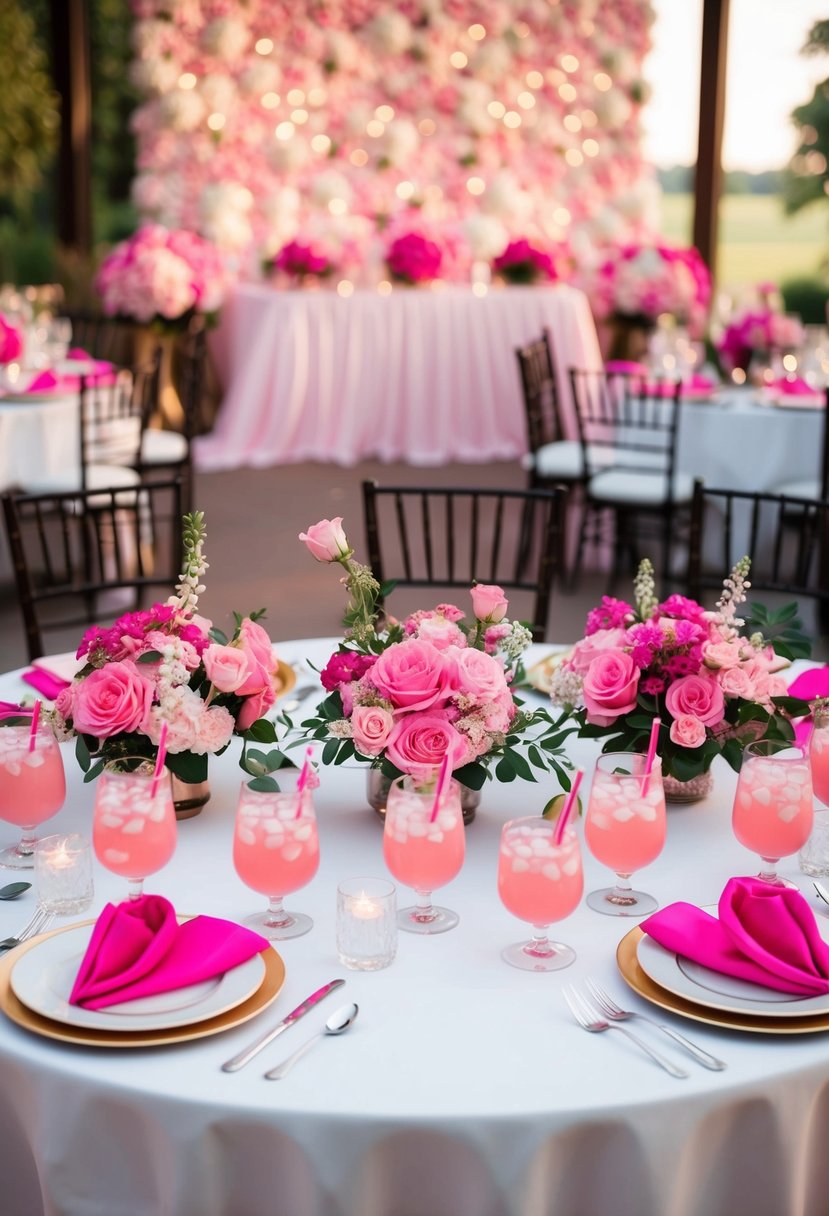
(643,281)
(401,695)
(168,664)
(11,342)
(413,258)
(162,276)
(713,689)
(759,330)
(299,258)
(522,262)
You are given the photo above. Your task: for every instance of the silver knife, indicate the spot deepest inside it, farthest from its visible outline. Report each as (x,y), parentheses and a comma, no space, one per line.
(244,1057)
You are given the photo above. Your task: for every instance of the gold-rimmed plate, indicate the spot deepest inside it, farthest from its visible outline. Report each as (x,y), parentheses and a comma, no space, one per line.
(19,1013)
(286,676)
(644,986)
(540,674)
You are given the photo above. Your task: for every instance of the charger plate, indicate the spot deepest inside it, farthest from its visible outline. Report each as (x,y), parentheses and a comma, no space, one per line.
(19,1013)
(635,977)
(287,678)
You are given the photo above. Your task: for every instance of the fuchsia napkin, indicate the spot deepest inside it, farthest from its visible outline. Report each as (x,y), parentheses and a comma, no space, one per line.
(626,367)
(765,934)
(50,381)
(46,684)
(138,949)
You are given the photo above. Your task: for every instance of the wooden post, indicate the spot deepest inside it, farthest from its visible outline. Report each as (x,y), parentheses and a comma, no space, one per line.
(70,55)
(708,178)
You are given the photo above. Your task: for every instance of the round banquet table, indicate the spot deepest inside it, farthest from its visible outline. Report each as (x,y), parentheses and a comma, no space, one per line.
(422,376)
(464,1088)
(36,436)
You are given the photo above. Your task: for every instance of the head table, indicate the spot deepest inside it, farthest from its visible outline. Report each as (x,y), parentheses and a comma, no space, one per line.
(464,1089)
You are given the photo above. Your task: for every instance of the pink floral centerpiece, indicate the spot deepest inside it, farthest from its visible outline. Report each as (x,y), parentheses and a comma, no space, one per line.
(758,331)
(162,276)
(11,342)
(522,262)
(714,689)
(402,694)
(640,282)
(412,258)
(299,258)
(169,664)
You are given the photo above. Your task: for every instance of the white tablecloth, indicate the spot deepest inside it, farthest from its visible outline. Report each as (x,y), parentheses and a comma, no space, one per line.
(37,438)
(418,376)
(464,1088)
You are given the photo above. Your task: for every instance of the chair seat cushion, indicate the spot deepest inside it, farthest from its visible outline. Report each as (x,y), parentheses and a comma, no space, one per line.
(561,459)
(163,447)
(98,477)
(635,487)
(798,489)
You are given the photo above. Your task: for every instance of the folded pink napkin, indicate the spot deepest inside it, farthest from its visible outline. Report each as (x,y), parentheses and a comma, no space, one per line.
(626,367)
(139,949)
(46,684)
(9,709)
(794,385)
(765,934)
(43,382)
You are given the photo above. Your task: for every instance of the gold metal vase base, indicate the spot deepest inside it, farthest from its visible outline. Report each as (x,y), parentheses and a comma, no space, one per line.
(190,797)
(377,791)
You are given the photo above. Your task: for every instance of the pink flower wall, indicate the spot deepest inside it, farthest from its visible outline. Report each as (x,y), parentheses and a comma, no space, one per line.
(347,122)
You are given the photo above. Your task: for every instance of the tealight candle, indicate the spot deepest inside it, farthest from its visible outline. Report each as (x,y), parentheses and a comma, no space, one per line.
(366,923)
(63,874)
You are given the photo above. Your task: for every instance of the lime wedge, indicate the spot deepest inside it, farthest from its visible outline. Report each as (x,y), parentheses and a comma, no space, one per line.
(556,805)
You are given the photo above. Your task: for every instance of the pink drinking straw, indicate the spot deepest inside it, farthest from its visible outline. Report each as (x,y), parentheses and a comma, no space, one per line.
(441,782)
(649,758)
(33,727)
(567,809)
(302,779)
(160,758)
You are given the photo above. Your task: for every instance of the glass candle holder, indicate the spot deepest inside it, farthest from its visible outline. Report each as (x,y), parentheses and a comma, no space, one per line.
(366,923)
(63,874)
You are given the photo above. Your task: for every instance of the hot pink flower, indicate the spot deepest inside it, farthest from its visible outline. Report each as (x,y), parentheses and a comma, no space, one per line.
(111,700)
(700,696)
(418,743)
(372,726)
(326,540)
(11,342)
(687,731)
(610,687)
(412,675)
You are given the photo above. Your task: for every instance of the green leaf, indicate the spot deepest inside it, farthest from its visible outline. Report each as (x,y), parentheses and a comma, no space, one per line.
(346,751)
(535,757)
(82,753)
(732,752)
(149,656)
(261,731)
(472,776)
(217,635)
(96,770)
(794,706)
(329,752)
(504,770)
(265,785)
(520,765)
(187,767)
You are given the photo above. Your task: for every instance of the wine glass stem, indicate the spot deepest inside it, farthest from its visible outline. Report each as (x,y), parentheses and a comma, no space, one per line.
(136,887)
(540,944)
(622,893)
(27,842)
(768,869)
(423,909)
(277,917)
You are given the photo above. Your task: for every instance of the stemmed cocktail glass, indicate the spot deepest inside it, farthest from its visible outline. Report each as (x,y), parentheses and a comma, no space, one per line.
(773,811)
(134,822)
(625,828)
(539,881)
(32,786)
(276,851)
(424,848)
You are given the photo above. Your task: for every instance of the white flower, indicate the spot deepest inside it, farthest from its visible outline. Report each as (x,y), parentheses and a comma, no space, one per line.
(389,33)
(183,110)
(485,235)
(227,38)
(218,91)
(154,75)
(330,185)
(400,141)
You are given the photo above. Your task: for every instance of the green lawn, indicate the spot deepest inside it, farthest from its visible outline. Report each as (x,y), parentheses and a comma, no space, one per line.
(758,242)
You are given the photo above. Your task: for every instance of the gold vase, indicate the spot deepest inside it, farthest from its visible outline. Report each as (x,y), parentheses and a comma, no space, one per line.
(688,791)
(189,797)
(170,414)
(377,791)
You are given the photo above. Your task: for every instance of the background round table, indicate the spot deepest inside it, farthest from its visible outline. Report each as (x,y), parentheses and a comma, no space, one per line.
(464,1088)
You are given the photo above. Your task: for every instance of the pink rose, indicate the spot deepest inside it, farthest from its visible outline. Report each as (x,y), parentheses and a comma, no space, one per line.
(111,700)
(585,651)
(326,540)
(478,675)
(226,667)
(440,632)
(63,703)
(372,726)
(412,675)
(256,646)
(255,706)
(687,731)
(734,682)
(418,743)
(697,695)
(610,686)
(489,603)
(719,654)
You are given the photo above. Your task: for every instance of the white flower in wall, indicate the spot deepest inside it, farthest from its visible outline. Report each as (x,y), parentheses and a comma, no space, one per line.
(329,185)
(289,155)
(151,39)
(505,198)
(260,76)
(485,235)
(641,201)
(399,142)
(607,224)
(621,64)
(341,50)
(389,33)
(613,109)
(154,75)
(226,38)
(219,92)
(224,215)
(472,111)
(281,214)
(356,119)
(491,61)
(183,110)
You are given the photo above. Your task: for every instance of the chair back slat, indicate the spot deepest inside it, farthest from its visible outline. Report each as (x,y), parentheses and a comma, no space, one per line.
(539,388)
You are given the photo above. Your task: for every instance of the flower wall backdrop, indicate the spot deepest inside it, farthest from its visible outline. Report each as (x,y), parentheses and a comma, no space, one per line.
(348,123)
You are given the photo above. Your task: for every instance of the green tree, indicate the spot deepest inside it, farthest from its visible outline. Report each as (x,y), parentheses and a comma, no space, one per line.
(807,176)
(29,106)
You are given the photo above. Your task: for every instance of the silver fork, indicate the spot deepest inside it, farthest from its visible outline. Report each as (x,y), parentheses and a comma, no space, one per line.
(615,1013)
(41,921)
(588,1018)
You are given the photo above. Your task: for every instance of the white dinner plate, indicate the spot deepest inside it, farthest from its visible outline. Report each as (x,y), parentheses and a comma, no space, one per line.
(712,990)
(42,980)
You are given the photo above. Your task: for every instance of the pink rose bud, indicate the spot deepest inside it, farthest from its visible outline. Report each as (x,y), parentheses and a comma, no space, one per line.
(489,603)
(326,540)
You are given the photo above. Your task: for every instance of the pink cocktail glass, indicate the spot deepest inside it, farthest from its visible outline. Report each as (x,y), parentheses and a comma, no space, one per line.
(540,882)
(819,756)
(625,828)
(276,851)
(422,852)
(134,822)
(32,788)
(773,809)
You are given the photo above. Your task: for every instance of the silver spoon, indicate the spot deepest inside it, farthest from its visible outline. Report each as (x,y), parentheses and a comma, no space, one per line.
(339,1022)
(14,889)
(821,892)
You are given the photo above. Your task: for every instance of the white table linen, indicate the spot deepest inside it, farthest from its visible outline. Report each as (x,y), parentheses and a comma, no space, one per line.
(463,1089)
(421,376)
(38,439)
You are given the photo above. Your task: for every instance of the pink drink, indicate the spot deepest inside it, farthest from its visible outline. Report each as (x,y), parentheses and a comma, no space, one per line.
(133,834)
(773,805)
(625,825)
(819,758)
(275,852)
(539,881)
(421,854)
(32,784)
